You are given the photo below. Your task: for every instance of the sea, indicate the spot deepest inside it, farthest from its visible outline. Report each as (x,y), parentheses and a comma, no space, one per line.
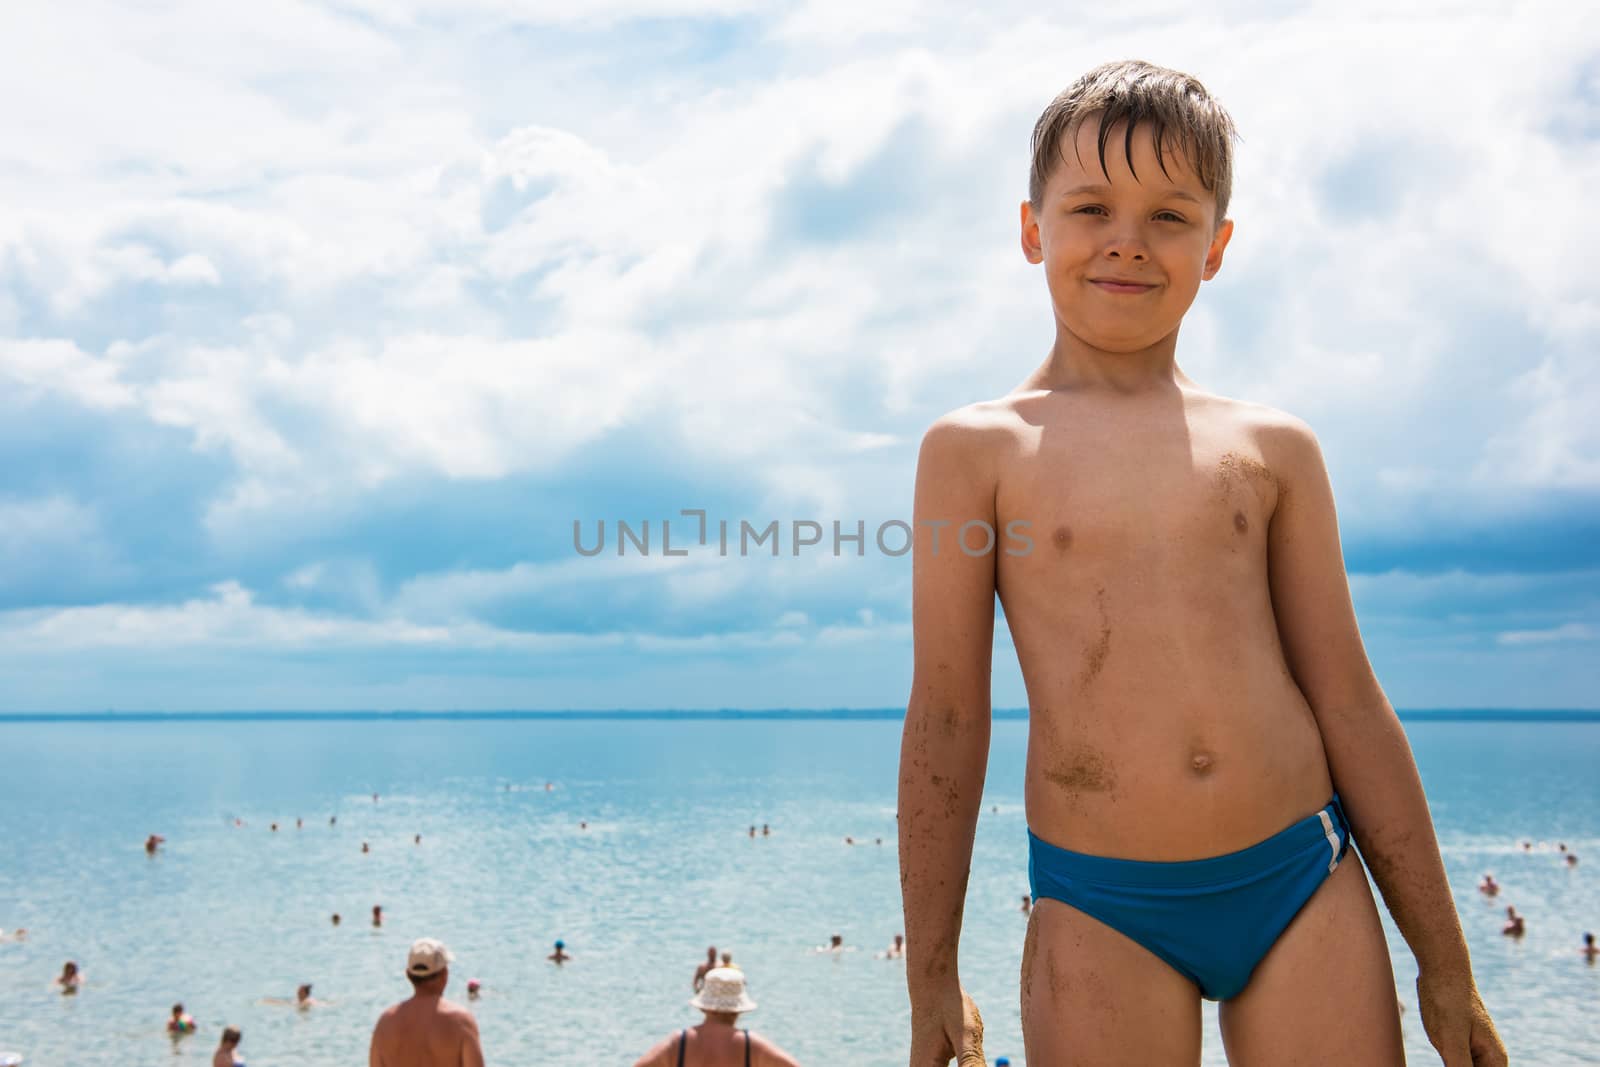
(626,837)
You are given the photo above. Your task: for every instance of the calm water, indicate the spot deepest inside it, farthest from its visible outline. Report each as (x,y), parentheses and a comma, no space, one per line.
(225,916)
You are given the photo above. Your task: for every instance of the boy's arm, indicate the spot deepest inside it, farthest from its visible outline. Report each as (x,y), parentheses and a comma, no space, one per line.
(1368,755)
(945,744)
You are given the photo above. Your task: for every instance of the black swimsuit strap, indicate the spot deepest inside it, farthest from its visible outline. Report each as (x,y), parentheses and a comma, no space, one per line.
(683,1035)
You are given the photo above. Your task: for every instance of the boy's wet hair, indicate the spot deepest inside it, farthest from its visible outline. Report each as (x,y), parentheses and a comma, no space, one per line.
(1183,113)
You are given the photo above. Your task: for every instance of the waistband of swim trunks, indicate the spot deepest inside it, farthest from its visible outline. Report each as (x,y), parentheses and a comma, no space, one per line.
(1280,847)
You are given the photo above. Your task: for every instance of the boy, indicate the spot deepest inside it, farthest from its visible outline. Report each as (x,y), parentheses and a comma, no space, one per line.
(1205,733)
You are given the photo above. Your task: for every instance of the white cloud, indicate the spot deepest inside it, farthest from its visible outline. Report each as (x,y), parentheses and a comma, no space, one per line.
(1556,444)
(230,618)
(1571,631)
(61,367)
(453,277)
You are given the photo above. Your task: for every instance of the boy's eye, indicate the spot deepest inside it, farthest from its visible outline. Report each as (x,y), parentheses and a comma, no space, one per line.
(1097,207)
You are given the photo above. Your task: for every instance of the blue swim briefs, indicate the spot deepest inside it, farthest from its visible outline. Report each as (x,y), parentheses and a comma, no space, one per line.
(1212,919)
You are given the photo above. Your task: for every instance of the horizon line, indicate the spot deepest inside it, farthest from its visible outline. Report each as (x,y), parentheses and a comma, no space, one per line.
(724,714)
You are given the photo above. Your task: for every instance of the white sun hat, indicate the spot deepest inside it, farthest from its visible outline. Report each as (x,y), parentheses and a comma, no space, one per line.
(428,957)
(723,991)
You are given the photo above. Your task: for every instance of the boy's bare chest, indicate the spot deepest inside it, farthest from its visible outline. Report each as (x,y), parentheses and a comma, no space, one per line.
(1106,498)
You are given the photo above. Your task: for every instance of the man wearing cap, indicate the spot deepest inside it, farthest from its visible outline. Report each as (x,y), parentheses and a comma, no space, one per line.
(715,1042)
(427,1030)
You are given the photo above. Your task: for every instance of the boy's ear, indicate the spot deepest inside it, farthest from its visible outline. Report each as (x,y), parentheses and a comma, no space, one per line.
(1030,235)
(1214,253)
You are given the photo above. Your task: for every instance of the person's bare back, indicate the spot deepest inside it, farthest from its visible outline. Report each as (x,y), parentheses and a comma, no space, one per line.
(426,1031)
(716,1045)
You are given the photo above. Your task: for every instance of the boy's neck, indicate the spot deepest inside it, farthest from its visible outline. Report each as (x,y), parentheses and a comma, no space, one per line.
(1073,365)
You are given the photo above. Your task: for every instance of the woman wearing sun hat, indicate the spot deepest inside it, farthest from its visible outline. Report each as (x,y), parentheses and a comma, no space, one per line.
(716,1042)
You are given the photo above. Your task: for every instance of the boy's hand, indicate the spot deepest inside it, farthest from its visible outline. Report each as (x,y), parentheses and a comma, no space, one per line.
(1458,1024)
(950,1028)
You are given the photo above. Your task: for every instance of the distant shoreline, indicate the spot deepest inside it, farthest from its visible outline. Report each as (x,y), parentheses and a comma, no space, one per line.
(1584,715)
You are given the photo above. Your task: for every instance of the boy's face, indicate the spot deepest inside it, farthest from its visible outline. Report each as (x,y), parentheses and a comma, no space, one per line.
(1143,229)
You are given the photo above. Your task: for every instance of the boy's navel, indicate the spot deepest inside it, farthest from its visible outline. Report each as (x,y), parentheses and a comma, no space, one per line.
(1062,538)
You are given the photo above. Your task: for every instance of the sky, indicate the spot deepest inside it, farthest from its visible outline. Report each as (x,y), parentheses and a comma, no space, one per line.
(321,324)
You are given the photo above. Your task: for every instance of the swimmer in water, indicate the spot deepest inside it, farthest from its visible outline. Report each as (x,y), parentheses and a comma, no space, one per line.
(299,824)
(365,848)
(1027,904)
(1514,926)
(727,961)
(559,956)
(70,978)
(583,826)
(303,1000)
(766,831)
(896,951)
(333,820)
(336,918)
(274,827)
(417,840)
(377,915)
(227,1054)
(709,965)
(835,944)
(752,831)
(1489,887)
(1589,949)
(153,842)
(474,989)
(181,1023)
(1572,859)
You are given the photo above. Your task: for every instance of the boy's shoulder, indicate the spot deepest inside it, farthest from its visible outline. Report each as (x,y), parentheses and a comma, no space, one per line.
(991,429)
(1270,429)
(972,434)
(980,416)
(1283,445)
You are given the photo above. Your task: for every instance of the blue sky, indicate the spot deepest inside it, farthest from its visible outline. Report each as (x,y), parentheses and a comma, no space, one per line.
(319,327)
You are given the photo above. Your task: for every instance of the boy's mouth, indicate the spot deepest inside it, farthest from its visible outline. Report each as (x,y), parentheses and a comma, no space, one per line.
(1120,287)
